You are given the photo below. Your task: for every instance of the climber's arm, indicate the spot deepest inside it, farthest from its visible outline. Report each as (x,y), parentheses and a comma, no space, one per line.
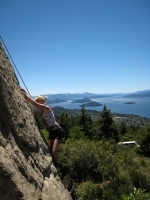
(34,103)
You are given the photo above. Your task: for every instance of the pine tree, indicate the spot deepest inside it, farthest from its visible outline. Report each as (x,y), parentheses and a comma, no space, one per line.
(85,120)
(107,127)
(65,121)
(145,143)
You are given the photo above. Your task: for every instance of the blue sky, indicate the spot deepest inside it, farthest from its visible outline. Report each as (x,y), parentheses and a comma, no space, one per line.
(76,46)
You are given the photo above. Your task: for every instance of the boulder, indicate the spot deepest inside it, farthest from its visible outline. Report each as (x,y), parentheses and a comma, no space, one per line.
(26,168)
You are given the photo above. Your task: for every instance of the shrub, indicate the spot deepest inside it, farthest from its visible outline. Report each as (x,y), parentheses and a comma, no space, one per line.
(89,191)
(136,194)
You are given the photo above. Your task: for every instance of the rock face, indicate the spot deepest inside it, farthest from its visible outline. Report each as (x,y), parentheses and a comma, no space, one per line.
(26,168)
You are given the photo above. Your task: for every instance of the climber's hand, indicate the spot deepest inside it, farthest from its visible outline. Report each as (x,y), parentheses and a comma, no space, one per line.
(22,90)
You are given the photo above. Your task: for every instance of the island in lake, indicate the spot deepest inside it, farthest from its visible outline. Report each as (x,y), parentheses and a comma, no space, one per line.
(129,103)
(56,101)
(83,100)
(91,104)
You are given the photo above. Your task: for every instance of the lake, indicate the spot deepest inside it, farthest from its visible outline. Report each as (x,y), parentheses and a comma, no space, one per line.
(115,104)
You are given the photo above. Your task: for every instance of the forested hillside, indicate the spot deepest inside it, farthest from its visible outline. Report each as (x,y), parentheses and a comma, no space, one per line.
(99,166)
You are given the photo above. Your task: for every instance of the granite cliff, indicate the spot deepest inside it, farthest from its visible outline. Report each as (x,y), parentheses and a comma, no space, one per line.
(26,168)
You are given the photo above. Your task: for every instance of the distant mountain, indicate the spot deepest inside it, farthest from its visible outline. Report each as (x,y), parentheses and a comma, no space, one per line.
(103,95)
(67,96)
(70,96)
(144,93)
(83,100)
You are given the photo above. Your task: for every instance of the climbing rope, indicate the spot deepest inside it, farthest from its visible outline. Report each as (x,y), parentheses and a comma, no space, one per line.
(3,44)
(13,63)
(32,110)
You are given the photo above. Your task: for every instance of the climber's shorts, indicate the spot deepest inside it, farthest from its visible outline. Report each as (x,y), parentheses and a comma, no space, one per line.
(58,133)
